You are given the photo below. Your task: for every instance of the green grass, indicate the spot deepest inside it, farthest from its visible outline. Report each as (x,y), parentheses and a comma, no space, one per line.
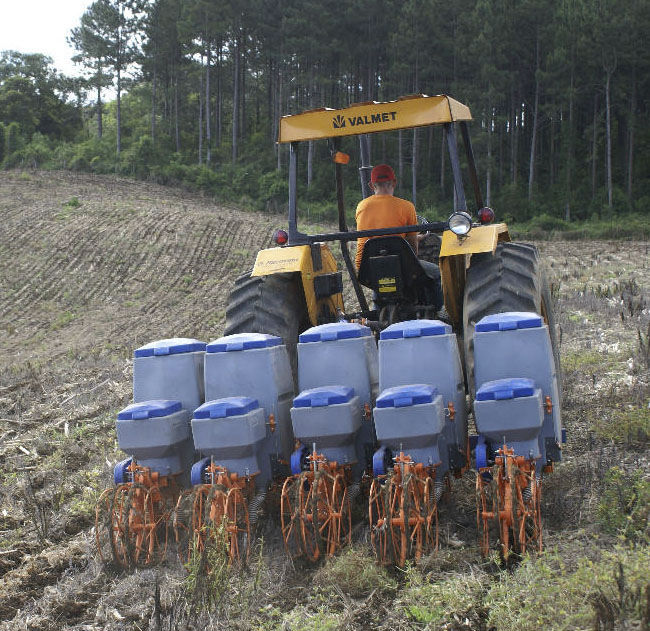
(354,572)
(547,593)
(587,360)
(629,426)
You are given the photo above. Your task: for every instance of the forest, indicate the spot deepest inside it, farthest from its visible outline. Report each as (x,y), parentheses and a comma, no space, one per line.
(189,92)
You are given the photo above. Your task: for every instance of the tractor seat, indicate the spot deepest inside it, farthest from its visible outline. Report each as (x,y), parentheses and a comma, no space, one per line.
(392,258)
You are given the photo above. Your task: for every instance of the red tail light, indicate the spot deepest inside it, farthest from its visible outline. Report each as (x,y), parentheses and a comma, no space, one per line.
(280,237)
(486,215)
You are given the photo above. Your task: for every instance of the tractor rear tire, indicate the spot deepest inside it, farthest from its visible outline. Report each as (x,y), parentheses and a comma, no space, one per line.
(511,279)
(269,304)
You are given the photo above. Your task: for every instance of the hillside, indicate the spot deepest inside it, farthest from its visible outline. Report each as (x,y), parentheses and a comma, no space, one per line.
(92,267)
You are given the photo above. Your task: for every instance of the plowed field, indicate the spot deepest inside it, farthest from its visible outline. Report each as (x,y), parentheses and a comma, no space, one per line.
(92,267)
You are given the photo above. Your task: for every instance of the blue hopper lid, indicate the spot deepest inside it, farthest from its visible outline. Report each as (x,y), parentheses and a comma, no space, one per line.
(172,346)
(243,342)
(325,395)
(505,389)
(405,396)
(228,406)
(415,328)
(334,331)
(509,321)
(149,409)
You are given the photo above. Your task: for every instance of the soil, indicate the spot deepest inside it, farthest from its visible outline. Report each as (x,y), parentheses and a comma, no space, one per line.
(92,267)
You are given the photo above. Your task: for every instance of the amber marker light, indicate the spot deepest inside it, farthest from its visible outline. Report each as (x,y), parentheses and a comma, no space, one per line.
(341,158)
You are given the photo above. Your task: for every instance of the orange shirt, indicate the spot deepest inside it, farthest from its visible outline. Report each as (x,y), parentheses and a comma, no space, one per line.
(382,211)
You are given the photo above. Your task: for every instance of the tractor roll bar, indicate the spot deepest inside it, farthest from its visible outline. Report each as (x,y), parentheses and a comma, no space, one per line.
(305,239)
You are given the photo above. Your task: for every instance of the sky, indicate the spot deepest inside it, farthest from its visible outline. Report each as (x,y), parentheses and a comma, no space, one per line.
(42,26)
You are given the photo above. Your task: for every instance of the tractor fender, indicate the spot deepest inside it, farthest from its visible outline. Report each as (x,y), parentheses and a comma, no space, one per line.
(455,254)
(321,281)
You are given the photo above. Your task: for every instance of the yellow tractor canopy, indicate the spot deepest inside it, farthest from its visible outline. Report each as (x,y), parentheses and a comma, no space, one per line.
(417,110)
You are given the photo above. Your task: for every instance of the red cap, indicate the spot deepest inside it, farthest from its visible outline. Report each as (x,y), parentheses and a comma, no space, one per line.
(382,173)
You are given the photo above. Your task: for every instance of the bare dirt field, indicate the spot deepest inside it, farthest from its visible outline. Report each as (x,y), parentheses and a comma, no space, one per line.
(91,267)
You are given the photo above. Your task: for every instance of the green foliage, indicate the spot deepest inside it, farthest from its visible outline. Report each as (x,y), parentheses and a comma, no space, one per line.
(354,572)
(73,202)
(34,154)
(14,140)
(548,593)
(440,599)
(624,506)
(2,142)
(208,570)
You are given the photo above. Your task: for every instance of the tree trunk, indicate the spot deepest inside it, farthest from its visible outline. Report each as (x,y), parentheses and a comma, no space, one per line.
(610,201)
(177,133)
(414,167)
(443,154)
(551,151)
(235,103)
(533,140)
(208,134)
(242,93)
(201,115)
(153,107)
(119,111)
(569,152)
(277,117)
(219,96)
(594,148)
(400,157)
(310,162)
(488,171)
(100,113)
(630,138)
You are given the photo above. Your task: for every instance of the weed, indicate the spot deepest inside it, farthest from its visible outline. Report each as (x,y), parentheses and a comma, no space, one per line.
(631,426)
(548,593)
(73,202)
(301,618)
(583,361)
(644,345)
(68,208)
(37,508)
(62,319)
(355,573)
(624,507)
(208,575)
(441,599)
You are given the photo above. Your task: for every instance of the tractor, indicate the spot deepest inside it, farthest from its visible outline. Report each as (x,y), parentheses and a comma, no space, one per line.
(297,285)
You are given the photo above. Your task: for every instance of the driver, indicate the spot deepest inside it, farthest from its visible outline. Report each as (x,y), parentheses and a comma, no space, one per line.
(384,210)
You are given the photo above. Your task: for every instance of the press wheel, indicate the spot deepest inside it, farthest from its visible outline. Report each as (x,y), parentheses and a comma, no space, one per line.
(182,524)
(415,512)
(378,524)
(119,517)
(313,511)
(340,532)
(430,516)
(103,525)
(238,526)
(290,518)
(397,521)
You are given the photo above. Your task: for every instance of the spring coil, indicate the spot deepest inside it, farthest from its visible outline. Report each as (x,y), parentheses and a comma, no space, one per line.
(255,505)
(527,494)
